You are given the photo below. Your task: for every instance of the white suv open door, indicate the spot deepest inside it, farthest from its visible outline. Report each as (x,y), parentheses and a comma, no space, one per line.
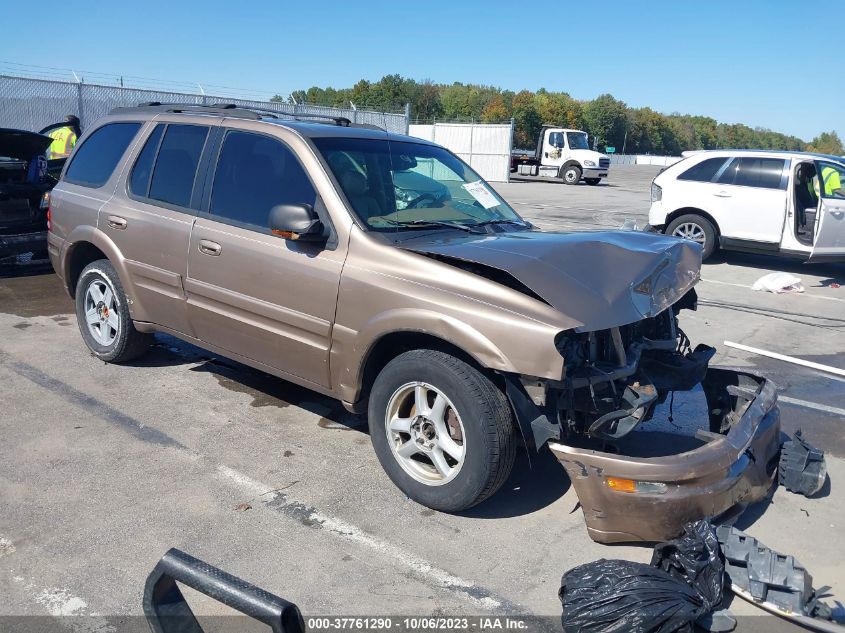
(829,234)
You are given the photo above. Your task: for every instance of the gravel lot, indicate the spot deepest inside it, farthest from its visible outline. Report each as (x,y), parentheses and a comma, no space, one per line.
(103,468)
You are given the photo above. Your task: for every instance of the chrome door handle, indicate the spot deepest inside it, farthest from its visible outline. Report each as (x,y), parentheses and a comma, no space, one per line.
(116,222)
(722,194)
(210,248)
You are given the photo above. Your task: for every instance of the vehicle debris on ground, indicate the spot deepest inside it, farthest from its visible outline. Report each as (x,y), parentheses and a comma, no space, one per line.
(778,283)
(685,584)
(773,581)
(802,468)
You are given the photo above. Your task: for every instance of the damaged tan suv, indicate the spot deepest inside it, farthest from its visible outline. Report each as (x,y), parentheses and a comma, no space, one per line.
(381,270)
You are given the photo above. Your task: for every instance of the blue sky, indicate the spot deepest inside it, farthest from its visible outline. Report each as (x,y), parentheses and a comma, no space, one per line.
(773,64)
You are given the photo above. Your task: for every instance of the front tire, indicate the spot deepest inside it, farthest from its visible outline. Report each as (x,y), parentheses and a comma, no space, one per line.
(571,174)
(592,181)
(696,228)
(442,430)
(102,313)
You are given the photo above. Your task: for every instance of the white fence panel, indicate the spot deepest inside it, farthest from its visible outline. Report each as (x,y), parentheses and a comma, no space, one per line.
(421,131)
(486,147)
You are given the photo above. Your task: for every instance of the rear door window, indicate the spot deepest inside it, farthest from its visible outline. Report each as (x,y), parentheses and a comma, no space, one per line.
(255,173)
(99,154)
(704,171)
(176,164)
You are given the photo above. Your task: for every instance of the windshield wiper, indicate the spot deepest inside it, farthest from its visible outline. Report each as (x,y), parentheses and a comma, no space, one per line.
(424,223)
(503,221)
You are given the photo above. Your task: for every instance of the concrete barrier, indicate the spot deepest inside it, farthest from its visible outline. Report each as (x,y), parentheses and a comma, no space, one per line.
(643,159)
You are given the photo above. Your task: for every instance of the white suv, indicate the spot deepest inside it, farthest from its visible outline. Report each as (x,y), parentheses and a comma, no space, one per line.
(754,200)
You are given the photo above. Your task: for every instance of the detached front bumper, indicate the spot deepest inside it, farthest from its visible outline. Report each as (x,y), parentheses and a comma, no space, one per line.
(730,469)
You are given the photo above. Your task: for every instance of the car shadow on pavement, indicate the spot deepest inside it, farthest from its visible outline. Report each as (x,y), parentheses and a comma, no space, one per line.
(35,267)
(264,389)
(270,391)
(528,489)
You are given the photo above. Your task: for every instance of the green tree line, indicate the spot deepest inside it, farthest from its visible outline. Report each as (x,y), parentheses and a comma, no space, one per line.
(608,121)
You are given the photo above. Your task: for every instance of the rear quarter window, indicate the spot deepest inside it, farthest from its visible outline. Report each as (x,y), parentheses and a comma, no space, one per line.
(763,173)
(94,161)
(703,171)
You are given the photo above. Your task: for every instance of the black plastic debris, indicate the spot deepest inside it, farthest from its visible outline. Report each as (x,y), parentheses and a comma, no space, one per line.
(769,578)
(696,559)
(618,596)
(802,468)
(167,611)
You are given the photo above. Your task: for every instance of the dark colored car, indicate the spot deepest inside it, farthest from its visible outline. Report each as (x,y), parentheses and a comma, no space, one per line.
(26,178)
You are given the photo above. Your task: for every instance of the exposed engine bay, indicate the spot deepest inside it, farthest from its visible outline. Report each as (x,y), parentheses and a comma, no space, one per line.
(615,377)
(636,482)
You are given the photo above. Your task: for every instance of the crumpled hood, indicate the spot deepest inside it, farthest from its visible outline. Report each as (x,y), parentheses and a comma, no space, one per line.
(601,279)
(21,144)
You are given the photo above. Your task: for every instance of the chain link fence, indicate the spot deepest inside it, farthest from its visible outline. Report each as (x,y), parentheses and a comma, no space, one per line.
(31,104)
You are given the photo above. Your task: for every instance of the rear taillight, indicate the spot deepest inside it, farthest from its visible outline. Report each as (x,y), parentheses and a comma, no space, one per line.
(45,204)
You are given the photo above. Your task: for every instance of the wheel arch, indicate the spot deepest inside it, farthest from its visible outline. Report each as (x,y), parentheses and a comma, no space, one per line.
(671,217)
(391,344)
(78,256)
(571,162)
(87,244)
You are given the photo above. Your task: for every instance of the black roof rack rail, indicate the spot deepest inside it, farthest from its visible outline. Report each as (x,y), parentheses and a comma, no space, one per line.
(338,120)
(234,110)
(222,109)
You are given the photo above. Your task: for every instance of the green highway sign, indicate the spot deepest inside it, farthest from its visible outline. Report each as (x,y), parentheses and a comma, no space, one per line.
(610,150)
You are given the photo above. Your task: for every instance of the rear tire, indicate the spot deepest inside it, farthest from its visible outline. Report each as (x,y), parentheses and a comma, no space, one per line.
(425,401)
(592,181)
(696,228)
(102,313)
(571,174)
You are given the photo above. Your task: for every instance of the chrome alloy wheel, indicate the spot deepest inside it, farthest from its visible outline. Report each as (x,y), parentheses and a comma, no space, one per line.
(425,433)
(690,231)
(101,312)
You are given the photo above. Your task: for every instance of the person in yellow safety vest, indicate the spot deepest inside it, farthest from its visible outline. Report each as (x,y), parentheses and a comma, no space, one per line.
(832,182)
(64,139)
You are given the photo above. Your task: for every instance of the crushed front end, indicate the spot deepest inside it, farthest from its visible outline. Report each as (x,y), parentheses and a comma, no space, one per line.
(650,435)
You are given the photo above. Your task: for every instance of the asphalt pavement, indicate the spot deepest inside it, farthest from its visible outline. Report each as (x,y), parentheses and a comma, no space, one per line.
(105,467)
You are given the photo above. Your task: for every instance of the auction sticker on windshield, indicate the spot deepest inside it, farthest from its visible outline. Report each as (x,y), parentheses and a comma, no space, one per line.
(480,192)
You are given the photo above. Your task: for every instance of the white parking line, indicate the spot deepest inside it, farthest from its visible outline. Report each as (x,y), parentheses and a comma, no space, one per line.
(812,405)
(836,371)
(418,567)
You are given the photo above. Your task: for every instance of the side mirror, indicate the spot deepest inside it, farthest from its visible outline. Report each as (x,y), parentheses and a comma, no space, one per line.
(296,222)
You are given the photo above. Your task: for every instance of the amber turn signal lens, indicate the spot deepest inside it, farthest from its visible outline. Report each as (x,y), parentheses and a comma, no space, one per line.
(621,485)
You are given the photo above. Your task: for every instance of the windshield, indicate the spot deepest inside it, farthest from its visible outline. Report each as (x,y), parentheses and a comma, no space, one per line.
(577,140)
(393,185)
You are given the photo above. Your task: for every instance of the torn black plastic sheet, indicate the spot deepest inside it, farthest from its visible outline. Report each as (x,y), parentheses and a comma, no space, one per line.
(773,581)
